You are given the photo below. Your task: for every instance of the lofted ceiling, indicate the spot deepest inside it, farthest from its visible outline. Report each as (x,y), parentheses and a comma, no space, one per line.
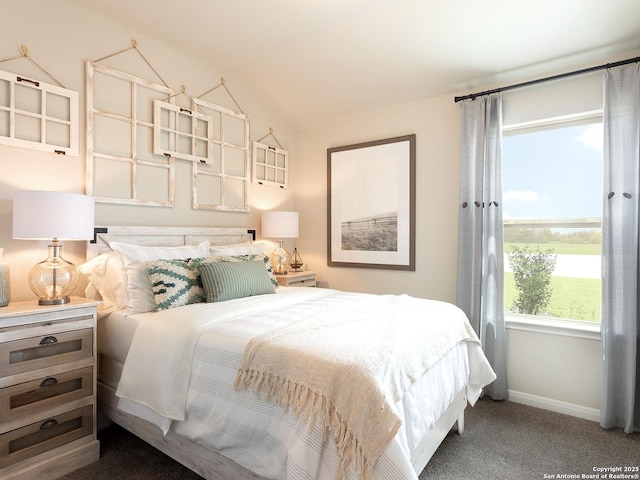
(314,61)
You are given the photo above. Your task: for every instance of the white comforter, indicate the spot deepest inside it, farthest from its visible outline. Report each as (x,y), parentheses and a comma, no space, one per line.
(198,348)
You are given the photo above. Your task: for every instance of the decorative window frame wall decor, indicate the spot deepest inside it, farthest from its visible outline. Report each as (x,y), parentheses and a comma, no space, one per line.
(181,133)
(131,153)
(270,165)
(223,183)
(38,115)
(371,204)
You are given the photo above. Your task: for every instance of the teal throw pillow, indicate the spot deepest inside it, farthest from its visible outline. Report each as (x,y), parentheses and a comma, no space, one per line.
(228,280)
(252,258)
(176,282)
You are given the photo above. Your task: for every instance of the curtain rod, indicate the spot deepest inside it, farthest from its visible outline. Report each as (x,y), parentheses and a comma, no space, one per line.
(548,79)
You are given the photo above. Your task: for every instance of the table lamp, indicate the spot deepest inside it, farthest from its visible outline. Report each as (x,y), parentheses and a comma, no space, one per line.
(280,225)
(55,216)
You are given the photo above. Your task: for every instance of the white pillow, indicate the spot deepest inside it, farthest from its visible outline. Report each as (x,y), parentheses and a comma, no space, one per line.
(246,248)
(135,257)
(107,275)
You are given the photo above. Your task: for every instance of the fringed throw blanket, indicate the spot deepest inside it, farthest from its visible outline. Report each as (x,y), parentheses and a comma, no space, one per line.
(346,366)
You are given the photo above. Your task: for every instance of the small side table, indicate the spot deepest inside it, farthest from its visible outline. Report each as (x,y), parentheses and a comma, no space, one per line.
(297,279)
(48,372)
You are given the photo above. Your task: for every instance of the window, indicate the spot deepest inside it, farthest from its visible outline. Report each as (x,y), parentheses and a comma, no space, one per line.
(222,183)
(181,133)
(37,115)
(552,207)
(121,166)
(270,165)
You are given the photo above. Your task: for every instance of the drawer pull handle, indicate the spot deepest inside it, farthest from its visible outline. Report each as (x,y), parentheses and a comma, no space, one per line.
(47,382)
(48,340)
(48,423)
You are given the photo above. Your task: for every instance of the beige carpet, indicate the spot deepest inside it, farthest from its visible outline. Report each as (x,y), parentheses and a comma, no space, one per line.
(502,440)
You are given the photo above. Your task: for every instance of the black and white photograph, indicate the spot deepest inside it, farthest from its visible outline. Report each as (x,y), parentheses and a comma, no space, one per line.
(371,204)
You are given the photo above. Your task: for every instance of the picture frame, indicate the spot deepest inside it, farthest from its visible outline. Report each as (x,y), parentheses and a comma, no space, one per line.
(371,204)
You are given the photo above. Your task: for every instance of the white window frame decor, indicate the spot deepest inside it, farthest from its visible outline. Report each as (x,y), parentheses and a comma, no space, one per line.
(30,101)
(133,121)
(181,133)
(270,165)
(218,168)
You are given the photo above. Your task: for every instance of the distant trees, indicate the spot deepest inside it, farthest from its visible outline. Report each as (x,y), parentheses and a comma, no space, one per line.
(545,235)
(532,275)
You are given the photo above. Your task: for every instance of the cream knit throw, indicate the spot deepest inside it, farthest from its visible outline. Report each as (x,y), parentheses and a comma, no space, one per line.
(347,366)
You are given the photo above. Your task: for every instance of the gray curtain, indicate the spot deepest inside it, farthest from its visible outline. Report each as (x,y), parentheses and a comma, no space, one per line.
(480,291)
(620,403)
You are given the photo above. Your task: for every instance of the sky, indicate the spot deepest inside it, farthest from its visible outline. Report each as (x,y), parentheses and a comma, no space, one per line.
(553,173)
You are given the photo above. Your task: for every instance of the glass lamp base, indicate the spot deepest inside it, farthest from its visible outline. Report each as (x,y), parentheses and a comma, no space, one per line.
(56,301)
(280,260)
(54,279)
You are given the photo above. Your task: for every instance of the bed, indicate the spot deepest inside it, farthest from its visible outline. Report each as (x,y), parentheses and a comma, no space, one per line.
(222,408)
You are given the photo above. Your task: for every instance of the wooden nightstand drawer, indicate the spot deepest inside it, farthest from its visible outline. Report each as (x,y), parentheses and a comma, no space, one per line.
(39,437)
(35,353)
(31,397)
(303,282)
(297,279)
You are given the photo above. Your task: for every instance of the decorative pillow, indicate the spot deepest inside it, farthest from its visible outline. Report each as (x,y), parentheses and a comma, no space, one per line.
(264,258)
(246,248)
(135,257)
(228,280)
(176,282)
(107,275)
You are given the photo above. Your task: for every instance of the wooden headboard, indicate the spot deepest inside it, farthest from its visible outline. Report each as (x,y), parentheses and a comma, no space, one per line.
(165,236)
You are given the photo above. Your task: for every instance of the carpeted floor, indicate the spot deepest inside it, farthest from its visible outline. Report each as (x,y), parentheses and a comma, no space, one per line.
(502,440)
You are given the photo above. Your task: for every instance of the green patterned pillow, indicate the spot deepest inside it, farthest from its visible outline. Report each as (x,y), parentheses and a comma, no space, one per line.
(252,258)
(176,282)
(228,280)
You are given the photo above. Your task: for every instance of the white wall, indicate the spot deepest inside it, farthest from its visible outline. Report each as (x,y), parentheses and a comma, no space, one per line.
(61,36)
(436,123)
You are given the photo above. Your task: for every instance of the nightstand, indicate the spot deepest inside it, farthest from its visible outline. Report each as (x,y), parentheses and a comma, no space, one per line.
(297,279)
(48,375)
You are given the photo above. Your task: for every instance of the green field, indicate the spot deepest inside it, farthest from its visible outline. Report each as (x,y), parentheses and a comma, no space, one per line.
(573,298)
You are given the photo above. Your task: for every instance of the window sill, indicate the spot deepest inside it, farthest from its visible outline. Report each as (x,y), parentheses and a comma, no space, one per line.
(567,328)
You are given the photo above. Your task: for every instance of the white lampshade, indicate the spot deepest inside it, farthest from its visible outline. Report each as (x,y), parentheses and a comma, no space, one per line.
(280,224)
(54,216)
(41,215)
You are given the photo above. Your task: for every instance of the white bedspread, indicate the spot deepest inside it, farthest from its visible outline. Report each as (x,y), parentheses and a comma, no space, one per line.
(167,339)
(281,447)
(345,364)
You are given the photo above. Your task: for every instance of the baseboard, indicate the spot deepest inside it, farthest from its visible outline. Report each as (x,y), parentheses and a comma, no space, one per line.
(553,405)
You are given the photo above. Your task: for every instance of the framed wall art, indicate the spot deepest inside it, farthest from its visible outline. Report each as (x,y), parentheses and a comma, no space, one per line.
(371,204)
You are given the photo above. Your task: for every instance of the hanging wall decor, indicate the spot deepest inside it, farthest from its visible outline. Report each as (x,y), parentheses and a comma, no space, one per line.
(222,183)
(371,203)
(121,165)
(181,133)
(270,164)
(37,115)
(136,131)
